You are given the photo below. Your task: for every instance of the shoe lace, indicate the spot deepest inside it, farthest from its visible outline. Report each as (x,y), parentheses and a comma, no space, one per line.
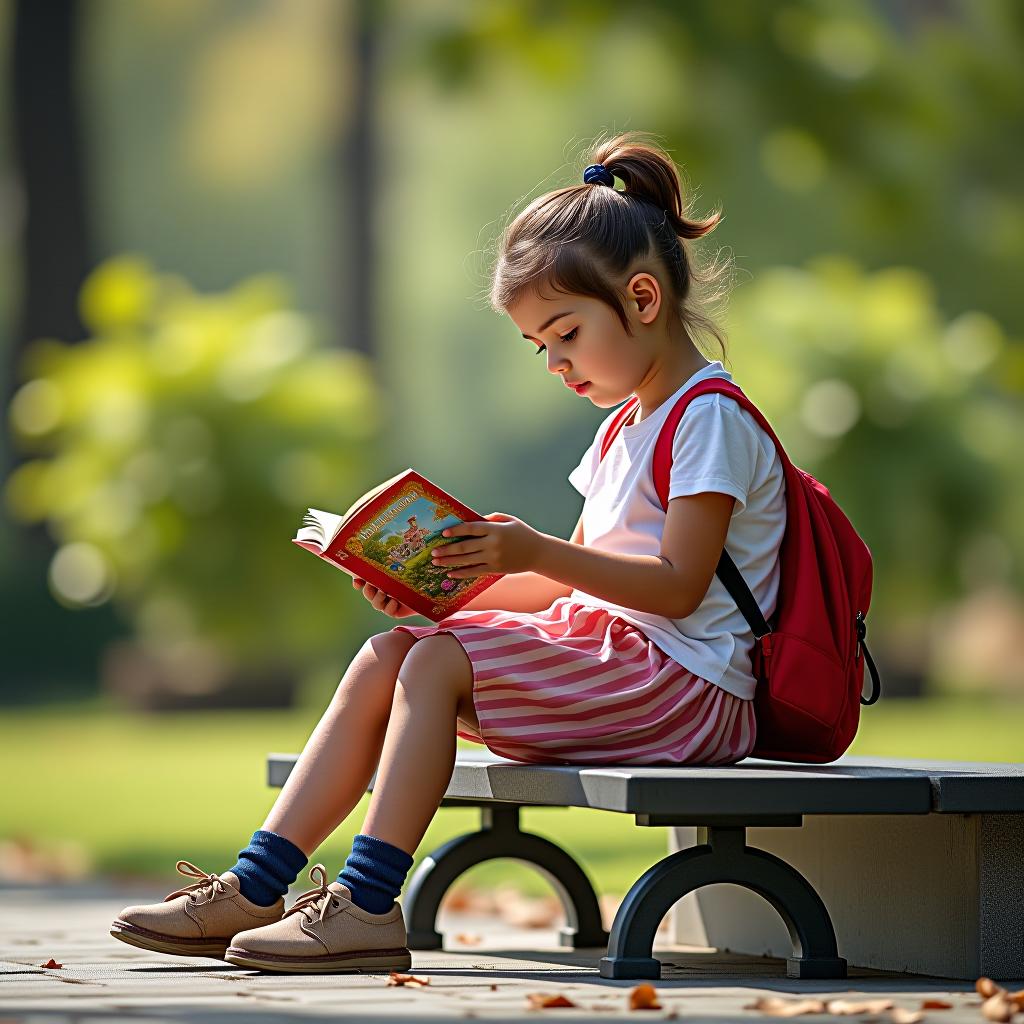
(210,885)
(315,903)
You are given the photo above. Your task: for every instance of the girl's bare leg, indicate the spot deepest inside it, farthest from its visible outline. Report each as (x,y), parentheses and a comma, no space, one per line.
(331,775)
(434,689)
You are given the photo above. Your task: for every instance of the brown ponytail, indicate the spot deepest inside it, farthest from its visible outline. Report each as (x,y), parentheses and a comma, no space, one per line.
(582,239)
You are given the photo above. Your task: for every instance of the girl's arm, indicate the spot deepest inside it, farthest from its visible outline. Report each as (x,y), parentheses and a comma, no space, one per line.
(524,591)
(519,592)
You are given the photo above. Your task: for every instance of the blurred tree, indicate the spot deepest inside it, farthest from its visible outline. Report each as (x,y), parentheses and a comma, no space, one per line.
(911,420)
(172,449)
(56,241)
(884,123)
(358,181)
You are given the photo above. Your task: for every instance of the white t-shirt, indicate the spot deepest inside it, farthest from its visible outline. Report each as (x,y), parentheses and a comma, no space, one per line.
(718,446)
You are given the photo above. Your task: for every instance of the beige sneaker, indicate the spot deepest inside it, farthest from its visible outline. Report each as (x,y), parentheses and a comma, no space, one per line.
(198,920)
(325,932)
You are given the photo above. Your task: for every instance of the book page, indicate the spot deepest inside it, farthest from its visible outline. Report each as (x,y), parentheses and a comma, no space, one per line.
(368,496)
(322,527)
(319,527)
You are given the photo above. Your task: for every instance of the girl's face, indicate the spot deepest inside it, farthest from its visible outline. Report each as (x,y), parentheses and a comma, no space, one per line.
(584,342)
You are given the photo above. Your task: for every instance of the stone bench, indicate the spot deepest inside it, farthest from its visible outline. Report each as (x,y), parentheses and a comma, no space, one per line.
(917,866)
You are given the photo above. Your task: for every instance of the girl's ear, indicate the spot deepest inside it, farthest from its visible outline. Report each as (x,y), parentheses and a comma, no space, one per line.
(644,295)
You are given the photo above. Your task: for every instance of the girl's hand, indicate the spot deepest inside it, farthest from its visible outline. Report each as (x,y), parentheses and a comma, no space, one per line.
(381,601)
(503,544)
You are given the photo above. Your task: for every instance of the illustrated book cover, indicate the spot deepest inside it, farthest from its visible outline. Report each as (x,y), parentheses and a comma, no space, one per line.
(386,538)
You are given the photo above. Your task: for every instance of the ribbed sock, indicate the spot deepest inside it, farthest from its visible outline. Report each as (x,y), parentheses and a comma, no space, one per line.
(267,866)
(375,872)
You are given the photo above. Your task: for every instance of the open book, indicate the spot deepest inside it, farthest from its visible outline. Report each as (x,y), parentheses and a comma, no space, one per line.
(386,538)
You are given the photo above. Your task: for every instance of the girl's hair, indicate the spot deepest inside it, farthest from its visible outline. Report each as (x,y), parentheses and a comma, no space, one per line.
(582,239)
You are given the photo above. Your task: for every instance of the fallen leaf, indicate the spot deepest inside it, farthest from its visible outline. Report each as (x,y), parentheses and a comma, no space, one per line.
(494,988)
(468,938)
(901,1015)
(51,963)
(545,1001)
(643,997)
(773,1006)
(998,1008)
(394,978)
(846,1007)
(935,1004)
(987,987)
(525,912)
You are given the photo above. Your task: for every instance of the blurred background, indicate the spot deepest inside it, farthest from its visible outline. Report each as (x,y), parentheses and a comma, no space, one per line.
(243,268)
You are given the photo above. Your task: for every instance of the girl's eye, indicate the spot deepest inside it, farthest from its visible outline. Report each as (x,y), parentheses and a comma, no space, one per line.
(570,336)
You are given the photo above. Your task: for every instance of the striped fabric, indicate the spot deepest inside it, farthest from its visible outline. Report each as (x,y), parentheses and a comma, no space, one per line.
(575,684)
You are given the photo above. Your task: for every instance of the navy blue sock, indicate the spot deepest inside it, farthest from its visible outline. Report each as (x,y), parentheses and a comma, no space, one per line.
(374,871)
(267,866)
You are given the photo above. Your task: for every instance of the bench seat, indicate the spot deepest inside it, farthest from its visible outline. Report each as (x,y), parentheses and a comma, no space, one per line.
(708,811)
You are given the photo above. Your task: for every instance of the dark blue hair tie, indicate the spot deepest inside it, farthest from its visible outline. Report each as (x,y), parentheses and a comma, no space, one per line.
(598,174)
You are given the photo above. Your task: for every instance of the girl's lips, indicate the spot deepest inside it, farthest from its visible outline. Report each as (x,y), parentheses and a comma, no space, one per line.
(580,389)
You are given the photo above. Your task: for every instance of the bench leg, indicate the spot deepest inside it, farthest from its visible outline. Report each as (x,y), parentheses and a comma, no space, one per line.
(723,856)
(501,837)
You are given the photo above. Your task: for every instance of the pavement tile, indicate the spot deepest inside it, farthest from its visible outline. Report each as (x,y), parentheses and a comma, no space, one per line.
(105,980)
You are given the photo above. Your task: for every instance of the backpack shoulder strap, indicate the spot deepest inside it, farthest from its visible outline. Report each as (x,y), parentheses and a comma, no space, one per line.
(666,439)
(727,570)
(620,417)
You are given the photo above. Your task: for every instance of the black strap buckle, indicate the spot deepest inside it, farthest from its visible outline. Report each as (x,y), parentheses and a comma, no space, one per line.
(876,685)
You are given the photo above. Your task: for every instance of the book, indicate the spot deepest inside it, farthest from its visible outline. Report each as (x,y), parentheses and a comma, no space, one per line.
(386,538)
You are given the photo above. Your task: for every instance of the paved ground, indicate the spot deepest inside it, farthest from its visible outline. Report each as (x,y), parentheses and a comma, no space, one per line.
(103,979)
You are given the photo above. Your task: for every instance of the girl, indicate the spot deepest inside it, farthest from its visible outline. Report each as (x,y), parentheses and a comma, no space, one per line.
(617,646)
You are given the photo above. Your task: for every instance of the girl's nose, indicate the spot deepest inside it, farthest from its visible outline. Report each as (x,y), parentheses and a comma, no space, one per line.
(557,364)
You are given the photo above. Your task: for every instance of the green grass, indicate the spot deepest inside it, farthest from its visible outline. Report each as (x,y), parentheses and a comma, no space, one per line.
(135,793)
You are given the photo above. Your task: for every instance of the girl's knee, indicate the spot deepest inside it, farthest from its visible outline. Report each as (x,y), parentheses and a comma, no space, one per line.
(440,655)
(389,649)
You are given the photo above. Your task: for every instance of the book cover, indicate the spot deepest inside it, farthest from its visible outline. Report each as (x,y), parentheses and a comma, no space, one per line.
(386,538)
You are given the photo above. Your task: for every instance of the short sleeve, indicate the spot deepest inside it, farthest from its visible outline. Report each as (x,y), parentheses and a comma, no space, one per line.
(715,449)
(583,474)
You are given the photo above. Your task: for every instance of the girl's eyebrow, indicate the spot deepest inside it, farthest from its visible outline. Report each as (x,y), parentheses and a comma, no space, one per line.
(547,323)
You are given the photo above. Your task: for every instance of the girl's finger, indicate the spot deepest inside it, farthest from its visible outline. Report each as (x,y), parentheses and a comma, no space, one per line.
(442,554)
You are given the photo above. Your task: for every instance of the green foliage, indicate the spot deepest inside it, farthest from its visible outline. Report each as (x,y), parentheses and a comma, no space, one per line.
(912,420)
(172,456)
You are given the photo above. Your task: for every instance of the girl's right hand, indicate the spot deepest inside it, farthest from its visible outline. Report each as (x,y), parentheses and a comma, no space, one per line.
(381,601)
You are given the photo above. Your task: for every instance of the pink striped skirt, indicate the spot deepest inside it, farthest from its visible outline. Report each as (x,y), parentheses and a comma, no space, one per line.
(576,684)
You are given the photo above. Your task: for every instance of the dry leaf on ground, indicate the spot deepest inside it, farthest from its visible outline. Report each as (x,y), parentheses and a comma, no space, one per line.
(643,997)
(546,1001)
(522,911)
(847,1007)
(394,978)
(775,1006)
(51,963)
(998,1008)
(935,1004)
(900,1015)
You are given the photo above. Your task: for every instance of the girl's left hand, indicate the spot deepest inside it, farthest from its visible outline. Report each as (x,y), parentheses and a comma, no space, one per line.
(502,544)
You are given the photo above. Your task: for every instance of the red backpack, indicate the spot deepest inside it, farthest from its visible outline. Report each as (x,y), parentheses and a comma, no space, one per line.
(809,661)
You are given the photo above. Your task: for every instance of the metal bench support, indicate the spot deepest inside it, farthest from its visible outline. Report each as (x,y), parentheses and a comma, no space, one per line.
(501,837)
(722,856)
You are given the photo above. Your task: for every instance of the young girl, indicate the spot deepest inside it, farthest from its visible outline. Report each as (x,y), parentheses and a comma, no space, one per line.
(617,646)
